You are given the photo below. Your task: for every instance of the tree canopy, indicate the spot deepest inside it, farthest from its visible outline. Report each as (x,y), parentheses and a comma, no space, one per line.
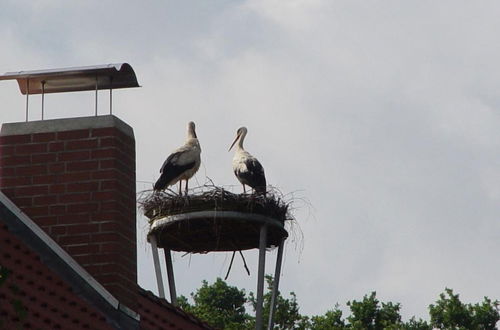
(219,304)
(225,307)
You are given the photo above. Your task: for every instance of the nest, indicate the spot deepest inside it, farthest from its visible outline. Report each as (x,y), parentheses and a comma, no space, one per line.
(166,203)
(173,222)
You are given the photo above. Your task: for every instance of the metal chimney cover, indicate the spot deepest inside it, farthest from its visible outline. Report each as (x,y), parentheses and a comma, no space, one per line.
(85,78)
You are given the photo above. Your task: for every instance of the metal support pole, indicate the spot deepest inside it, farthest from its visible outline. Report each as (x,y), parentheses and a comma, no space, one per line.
(27,96)
(156,261)
(96,88)
(260,279)
(110,101)
(43,95)
(170,275)
(276,283)
(111,95)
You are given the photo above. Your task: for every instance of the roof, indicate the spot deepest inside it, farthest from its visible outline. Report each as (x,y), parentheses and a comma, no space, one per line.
(43,277)
(153,314)
(85,78)
(32,295)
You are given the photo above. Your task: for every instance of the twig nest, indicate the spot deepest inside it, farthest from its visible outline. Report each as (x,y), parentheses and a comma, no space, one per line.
(215,219)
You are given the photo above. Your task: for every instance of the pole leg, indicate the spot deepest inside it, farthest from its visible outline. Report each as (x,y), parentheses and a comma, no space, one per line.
(96,89)
(276,282)
(170,275)
(43,97)
(260,280)
(156,260)
(27,97)
(111,95)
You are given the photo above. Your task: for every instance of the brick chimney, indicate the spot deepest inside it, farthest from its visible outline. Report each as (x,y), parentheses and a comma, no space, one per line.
(76,179)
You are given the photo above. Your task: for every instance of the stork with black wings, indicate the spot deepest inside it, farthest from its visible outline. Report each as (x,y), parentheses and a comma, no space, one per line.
(182,164)
(246,167)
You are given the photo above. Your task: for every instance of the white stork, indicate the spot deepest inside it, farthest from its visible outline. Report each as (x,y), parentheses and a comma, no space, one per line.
(182,164)
(246,167)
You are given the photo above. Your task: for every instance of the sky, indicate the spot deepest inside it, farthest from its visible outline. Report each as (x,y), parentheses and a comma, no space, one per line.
(380,120)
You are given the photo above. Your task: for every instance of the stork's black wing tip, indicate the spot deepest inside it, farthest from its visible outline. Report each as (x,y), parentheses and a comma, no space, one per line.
(260,190)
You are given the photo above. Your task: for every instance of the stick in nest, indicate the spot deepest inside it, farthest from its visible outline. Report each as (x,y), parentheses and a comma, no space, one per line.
(231,264)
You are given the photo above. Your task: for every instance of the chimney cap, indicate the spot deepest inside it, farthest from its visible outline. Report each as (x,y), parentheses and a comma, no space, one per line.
(74,79)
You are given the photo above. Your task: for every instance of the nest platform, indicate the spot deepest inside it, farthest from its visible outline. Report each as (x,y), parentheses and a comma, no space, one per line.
(214,220)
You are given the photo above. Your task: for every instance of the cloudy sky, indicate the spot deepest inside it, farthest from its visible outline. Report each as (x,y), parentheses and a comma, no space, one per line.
(382,120)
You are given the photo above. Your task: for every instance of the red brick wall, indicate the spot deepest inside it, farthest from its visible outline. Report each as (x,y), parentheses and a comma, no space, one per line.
(78,184)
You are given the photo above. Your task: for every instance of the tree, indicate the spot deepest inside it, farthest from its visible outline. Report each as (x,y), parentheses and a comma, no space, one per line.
(450,313)
(414,324)
(218,304)
(287,314)
(332,320)
(223,306)
(368,314)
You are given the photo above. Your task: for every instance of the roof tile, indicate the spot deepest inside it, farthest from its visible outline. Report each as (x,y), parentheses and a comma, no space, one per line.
(33,296)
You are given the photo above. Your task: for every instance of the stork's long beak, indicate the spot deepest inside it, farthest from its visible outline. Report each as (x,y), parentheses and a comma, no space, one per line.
(236,139)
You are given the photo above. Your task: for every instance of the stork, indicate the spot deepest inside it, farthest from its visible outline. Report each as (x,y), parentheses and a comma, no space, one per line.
(182,164)
(246,167)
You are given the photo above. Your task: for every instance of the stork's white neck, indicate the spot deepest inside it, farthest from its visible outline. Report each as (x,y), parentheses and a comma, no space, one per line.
(239,144)
(191,133)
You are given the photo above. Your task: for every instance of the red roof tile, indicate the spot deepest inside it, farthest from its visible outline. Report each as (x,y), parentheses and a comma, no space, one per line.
(34,297)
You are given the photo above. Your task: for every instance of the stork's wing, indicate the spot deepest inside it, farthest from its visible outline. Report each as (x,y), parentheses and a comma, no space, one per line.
(255,168)
(172,159)
(181,157)
(254,174)
(175,165)
(170,174)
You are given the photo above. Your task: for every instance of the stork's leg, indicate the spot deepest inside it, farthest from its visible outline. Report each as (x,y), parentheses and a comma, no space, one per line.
(187,187)
(180,187)
(244,190)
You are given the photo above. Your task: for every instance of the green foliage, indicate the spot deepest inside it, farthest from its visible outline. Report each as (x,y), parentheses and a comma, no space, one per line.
(332,320)
(485,315)
(287,314)
(219,304)
(369,314)
(450,313)
(414,324)
(223,306)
